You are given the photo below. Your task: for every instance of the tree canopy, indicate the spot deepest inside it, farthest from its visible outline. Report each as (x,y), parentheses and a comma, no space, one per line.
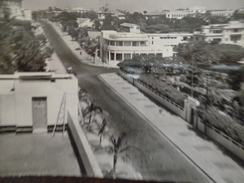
(21,49)
(203,52)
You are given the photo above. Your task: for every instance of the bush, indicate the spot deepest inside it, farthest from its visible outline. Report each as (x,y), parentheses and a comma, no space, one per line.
(222,122)
(165,89)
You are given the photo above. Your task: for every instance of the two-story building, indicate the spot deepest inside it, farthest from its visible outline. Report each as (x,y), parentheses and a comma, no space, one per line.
(221,13)
(181,13)
(231,33)
(177,14)
(118,46)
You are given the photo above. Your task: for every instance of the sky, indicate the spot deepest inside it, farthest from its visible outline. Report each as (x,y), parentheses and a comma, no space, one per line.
(133,5)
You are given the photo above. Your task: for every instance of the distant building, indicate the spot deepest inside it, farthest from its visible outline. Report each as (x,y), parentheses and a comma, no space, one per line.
(231,33)
(181,13)
(197,10)
(84,22)
(15,10)
(78,10)
(37,101)
(119,15)
(177,14)
(221,13)
(118,46)
(153,14)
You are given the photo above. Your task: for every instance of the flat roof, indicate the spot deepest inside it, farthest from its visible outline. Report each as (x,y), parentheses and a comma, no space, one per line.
(35,75)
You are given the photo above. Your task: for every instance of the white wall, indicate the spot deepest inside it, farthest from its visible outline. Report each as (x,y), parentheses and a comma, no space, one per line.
(16,106)
(221,138)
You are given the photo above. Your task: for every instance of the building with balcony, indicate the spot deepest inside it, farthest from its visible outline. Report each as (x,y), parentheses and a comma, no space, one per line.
(181,13)
(118,46)
(221,13)
(231,33)
(177,14)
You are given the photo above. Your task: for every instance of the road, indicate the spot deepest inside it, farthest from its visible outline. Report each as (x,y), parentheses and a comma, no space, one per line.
(161,160)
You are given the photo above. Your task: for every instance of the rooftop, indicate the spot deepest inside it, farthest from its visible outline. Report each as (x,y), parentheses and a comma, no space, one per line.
(34,75)
(130,25)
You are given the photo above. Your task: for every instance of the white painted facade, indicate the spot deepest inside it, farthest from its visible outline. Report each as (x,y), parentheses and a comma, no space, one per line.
(177,14)
(181,13)
(222,13)
(197,10)
(231,33)
(18,91)
(84,22)
(118,46)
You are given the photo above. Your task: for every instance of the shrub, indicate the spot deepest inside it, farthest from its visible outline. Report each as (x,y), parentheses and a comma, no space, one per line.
(222,122)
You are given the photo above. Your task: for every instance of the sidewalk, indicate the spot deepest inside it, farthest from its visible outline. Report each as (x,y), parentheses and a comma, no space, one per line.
(204,154)
(77,50)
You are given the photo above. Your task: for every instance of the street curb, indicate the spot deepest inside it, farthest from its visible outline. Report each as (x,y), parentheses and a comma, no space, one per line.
(160,132)
(92,65)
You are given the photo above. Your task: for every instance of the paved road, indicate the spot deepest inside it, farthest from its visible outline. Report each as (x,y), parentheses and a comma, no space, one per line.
(161,160)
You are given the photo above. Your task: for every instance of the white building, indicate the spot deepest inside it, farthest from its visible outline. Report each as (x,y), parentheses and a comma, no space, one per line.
(37,101)
(177,14)
(78,10)
(119,15)
(84,22)
(181,13)
(231,33)
(118,46)
(222,13)
(197,10)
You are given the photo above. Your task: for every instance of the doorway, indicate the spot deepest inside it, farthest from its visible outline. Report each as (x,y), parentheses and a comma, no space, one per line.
(39,111)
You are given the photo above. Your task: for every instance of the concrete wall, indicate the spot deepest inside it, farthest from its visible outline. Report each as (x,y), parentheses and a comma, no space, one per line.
(16,99)
(191,103)
(160,98)
(221,138)
(83,148)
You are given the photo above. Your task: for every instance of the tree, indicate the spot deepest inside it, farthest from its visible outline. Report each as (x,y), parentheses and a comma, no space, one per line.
(21,49)
(119,148)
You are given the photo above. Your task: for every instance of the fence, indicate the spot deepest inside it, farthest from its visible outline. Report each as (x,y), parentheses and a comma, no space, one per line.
(220,137)
(179,110)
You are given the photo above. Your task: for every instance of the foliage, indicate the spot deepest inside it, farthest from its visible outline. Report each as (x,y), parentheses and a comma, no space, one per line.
(21,49)
(235,79)
(150,62)
(204,52)
(222,122)
(163,88)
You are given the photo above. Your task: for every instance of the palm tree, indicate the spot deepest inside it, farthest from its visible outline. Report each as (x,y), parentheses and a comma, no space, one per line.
(119,149)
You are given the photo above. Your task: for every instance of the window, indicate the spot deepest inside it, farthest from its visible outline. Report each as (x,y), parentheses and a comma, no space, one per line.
(135,43)
(112,43)
(127,56)
(119,56)
(127,43)
(235,38)
(119,43)
(111,56)
(143,43)
(217,31)
(235,30)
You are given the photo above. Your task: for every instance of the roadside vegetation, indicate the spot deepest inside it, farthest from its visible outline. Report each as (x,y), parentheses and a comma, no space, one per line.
(97,126)
(22,48)
(222,101)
